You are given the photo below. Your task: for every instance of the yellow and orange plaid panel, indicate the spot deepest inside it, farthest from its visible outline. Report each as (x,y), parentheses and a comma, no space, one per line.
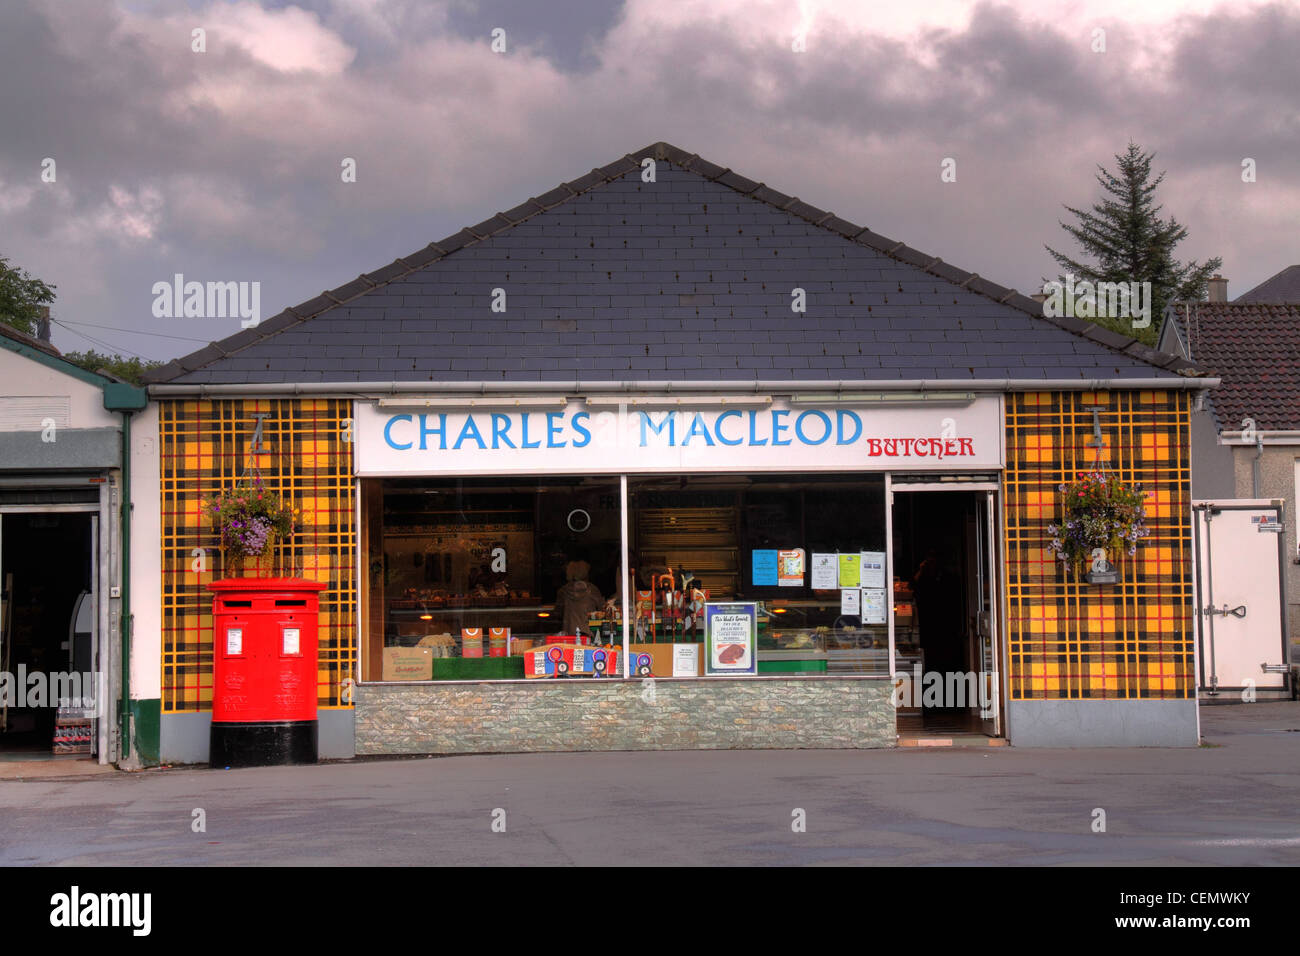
(1068,639)
(304,454)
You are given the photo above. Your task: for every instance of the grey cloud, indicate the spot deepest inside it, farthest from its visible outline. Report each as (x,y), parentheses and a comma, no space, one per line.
(857,124)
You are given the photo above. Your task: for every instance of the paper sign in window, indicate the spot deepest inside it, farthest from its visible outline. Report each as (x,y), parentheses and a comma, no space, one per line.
(825,572)
(291,641)
(234,640)
(873,569)
(850,570)
(789,568)
(873,606)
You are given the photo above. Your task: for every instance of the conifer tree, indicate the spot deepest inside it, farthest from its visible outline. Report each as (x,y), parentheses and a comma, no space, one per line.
(1129,242)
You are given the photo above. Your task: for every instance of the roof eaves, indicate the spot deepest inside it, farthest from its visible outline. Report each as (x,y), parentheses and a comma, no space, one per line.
(51,358)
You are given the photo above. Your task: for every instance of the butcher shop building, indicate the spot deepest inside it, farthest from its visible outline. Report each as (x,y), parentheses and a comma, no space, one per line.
(666,459)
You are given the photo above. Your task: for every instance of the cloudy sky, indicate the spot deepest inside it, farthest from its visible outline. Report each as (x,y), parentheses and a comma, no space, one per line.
(226,164)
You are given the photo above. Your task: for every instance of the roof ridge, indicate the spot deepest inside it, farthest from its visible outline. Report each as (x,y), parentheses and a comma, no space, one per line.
(662,151)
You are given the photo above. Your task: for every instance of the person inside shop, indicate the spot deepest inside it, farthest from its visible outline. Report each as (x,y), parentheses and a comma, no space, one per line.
(938,610)
(577,599)
(480,577)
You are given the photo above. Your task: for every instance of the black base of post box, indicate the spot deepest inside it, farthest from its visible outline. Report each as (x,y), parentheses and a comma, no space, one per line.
(269,744)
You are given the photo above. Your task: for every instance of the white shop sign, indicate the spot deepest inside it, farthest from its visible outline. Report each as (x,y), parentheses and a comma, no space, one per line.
(776,437)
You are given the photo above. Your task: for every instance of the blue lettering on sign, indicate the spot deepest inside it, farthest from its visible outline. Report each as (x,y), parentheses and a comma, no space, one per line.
(553,430)
(826,424)
(717,427)
(779,429)
(581,429)
(839,422)
(698,428)
(669,420)
(440,431)
(501,425)
(847,429)
(388,432)
(524,442)
(470,430)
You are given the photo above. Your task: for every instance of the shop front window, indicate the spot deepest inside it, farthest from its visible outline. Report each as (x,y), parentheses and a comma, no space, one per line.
(511,578)
(807,551)
(466,576)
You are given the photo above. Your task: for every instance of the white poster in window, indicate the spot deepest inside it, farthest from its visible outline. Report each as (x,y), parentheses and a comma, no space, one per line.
(850,601)
(731,636)
(825,572)
(686,660)
(291,640)
(873,606)
(234,640)
(873,569)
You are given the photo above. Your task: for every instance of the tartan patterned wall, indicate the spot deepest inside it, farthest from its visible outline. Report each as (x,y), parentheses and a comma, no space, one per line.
(1068,639)
(306,456)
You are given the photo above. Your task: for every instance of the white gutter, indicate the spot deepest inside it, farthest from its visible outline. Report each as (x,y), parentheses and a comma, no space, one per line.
(1279,437)
(782,386)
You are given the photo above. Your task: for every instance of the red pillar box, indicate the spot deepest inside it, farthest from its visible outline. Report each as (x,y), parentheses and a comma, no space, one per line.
(264,672)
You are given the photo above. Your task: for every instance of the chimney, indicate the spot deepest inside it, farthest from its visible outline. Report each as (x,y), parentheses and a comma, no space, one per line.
(43,324)
(1218,289)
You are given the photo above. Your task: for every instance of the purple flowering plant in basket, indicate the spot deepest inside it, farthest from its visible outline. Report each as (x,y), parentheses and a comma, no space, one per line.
(1100,512)
(249,518)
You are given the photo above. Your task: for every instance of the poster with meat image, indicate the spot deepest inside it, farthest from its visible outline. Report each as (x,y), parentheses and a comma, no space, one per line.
(731,638)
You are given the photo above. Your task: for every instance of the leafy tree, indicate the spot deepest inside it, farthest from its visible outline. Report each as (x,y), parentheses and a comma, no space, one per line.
(21,297)
(1129,242)
(127,369)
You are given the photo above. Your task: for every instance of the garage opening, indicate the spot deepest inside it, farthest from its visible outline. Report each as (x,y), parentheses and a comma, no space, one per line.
(48,629)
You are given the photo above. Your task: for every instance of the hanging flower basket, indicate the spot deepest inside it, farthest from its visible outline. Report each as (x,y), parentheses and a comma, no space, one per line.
(1101,514)
(250,519)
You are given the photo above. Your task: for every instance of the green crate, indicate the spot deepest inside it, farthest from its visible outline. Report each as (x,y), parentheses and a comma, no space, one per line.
(478,668)
(792,667)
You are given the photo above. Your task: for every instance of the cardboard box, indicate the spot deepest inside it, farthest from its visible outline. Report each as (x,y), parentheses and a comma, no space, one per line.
(661,659)
(471,642)
(408,663)
(498,641)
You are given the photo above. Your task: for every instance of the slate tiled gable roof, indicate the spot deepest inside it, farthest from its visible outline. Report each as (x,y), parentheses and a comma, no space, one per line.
(1254,349)
(688,278)
(1283,287)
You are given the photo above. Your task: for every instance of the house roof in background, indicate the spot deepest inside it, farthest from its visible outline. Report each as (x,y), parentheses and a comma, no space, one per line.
(1254,349)
(609,278)
(1283,287)
(31,341)
(47,355)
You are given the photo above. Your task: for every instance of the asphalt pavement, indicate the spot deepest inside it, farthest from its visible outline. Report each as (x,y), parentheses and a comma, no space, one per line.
(1232,801)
